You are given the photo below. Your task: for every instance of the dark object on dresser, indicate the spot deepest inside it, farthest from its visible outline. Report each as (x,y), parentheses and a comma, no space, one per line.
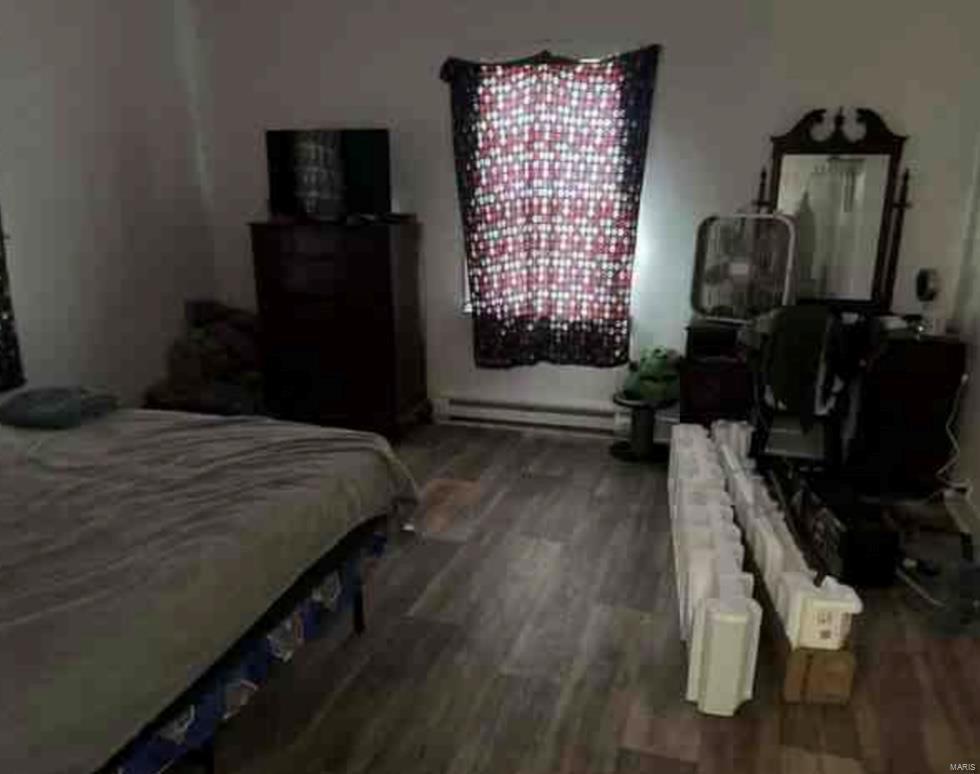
(341,322)
(214,367)
(329,173)
(908,393)
(715,383)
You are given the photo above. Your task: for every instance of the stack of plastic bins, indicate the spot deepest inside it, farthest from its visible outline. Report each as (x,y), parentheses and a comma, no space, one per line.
(812,615)
(718,617)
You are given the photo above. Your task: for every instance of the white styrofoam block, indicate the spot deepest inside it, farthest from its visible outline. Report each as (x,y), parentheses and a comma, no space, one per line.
(723,654)
(711,536)
(729,462)
(694,474)
(771,559)
(742,495)
(701,504)
(727,562)
(711,561)
(793,559)
(828,616)
(709,514)
(761,532)
(816,616)
(736,590)
(694,495)
(682,434)
(698,581)
(736,436)
(718,617)
(706,532)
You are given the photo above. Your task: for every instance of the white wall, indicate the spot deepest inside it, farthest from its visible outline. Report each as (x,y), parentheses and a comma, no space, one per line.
(99,189)
(918,65)
(731,75)
(967,321)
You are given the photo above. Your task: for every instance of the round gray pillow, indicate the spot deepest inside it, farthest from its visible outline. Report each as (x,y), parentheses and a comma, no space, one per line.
(55,408)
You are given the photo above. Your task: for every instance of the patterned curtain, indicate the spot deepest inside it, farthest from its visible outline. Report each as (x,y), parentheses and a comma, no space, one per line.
(549,163)
(11,374)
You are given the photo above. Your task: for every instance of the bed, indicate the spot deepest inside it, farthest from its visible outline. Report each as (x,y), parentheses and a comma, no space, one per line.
(143,550)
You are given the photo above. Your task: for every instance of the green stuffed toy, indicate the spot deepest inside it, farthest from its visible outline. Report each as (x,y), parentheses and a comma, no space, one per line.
(654,377)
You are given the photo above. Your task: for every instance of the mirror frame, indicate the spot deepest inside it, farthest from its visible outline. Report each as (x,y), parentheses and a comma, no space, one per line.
(877,139)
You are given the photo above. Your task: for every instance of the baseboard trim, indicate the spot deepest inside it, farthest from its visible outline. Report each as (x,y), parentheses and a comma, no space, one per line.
(519,414)
(537,428)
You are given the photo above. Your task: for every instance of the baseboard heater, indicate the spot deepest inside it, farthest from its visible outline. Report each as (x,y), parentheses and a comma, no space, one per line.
(595,419)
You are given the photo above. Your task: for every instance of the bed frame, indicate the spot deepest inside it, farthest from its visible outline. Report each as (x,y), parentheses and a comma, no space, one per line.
(343,558)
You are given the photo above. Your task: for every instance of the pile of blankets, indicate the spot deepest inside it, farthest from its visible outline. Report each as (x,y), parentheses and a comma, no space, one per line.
(215,366)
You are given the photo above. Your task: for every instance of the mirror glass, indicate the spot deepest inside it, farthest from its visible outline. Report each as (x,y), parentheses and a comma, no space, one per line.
(837,201)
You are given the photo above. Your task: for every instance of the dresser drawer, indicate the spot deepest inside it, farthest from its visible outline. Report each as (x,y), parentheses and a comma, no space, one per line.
(329,278)
(349,280)
(321,240)
(340,321)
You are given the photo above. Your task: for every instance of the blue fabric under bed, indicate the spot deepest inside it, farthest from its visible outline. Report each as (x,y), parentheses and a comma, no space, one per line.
(222,695)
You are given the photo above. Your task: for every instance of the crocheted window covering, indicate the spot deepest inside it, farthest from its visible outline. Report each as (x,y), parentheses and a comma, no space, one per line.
(550,154)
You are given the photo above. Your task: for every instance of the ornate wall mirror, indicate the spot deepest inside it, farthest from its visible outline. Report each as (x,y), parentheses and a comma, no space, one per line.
(841,193)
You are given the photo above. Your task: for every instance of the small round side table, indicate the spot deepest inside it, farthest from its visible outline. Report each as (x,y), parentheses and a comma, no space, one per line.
(643,418)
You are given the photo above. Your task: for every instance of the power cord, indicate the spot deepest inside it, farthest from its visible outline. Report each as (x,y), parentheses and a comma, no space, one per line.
(964,486)
(907,580)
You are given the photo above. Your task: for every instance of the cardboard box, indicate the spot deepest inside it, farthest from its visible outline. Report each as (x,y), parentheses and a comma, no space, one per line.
(810,676)
(818,676)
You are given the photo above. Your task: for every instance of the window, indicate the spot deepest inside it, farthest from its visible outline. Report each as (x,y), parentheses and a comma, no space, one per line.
(549,159)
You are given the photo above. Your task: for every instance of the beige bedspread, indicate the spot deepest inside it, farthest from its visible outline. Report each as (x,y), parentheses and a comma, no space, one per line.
(136,549)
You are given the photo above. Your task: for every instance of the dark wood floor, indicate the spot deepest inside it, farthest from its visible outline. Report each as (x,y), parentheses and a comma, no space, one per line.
(531,626)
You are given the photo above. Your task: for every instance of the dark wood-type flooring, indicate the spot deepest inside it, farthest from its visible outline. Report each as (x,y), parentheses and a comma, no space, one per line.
(531,626)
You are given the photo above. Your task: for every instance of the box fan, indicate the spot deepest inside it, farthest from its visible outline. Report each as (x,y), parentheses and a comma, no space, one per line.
(743,265)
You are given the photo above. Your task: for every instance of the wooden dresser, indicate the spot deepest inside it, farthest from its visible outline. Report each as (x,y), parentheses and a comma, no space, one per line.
(341,322)
(910,387)
(715,382)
